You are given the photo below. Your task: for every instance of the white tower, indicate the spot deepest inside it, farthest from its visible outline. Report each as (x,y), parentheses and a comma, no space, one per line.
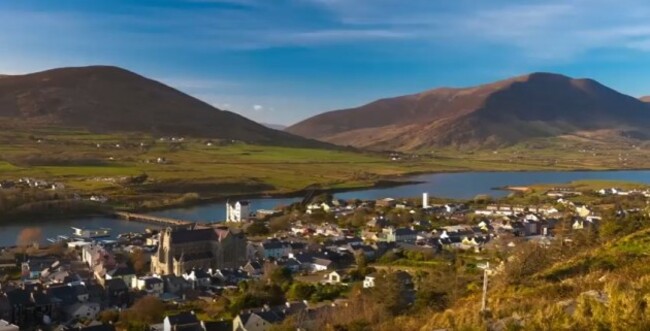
(425,200)
(237,212)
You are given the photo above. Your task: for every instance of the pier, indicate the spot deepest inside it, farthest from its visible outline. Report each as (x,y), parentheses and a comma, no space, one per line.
(151,219)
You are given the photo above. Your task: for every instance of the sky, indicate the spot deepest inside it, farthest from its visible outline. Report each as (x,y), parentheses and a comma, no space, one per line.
(281,61)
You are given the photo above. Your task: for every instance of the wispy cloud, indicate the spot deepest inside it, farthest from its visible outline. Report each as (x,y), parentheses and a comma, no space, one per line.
(548,30)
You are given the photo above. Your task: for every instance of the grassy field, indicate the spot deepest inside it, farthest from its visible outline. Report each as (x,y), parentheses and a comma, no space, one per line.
(100,163)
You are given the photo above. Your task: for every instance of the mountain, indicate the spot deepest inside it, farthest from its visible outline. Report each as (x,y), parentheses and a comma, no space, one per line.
(645,98)
(111,99)
(492,115)
(274,126)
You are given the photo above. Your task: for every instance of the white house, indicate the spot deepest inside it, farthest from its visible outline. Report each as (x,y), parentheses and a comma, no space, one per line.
(335,277)
(186,321)
(275,249)
(238,211)
(198,278)
(151,285)
(582,210)
(369,281)
(315,206)
(124,273)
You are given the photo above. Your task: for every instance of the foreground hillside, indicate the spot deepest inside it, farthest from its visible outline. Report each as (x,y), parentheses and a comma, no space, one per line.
(109,99)
(590,275)
(504,113)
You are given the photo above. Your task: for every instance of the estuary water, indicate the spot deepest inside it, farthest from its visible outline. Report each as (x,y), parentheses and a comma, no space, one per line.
(463,185)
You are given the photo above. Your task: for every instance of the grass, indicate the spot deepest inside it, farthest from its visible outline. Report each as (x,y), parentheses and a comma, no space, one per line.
(93,163)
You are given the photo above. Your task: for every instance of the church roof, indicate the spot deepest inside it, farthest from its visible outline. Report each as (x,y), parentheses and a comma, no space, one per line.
(182,236)
(194,256)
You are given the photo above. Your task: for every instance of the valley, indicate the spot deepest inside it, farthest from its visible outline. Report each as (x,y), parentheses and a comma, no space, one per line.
(139,172)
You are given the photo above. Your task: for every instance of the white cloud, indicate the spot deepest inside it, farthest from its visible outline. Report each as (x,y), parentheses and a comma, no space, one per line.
(548,30)
(258,107)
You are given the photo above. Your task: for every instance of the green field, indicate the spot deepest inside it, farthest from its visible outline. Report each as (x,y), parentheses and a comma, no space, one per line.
(99,163)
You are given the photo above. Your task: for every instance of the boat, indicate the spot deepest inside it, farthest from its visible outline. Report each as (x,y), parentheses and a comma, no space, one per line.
(58,239)
(91,233)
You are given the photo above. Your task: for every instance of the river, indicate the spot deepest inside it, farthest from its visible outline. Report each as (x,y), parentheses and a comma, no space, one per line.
(452,185)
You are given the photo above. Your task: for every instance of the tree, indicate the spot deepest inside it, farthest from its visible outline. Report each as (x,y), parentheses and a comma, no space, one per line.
(279,223)
(435,289)
(109,316)
(146,310)
(529,259)
(258,228)
(300,291)
(277,275)
(29,236)
(390,292)
(139,261)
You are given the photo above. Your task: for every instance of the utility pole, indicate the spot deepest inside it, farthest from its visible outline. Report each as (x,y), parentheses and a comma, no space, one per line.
(485,287)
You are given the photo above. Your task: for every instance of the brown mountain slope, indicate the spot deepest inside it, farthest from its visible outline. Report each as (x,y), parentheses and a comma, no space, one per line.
(497,114)
(111,99)
(645,98)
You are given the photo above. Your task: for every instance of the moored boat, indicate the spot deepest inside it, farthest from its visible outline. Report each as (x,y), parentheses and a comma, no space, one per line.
(91,233)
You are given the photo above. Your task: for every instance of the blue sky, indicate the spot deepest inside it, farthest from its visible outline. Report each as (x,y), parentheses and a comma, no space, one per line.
(280,61)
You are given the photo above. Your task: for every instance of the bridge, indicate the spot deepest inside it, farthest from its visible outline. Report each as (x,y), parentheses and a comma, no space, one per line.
(151,219)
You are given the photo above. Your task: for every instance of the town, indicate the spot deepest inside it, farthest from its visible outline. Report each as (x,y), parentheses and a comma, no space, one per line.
(305,266)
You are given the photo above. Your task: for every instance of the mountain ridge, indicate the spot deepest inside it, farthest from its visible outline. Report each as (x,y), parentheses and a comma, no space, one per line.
(489,115)
(112,99)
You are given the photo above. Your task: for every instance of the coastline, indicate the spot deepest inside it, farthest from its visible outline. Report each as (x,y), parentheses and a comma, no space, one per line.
(386,182)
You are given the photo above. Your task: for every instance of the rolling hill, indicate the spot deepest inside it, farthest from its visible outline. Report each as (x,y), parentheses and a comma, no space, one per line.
(499,114)
(110,99)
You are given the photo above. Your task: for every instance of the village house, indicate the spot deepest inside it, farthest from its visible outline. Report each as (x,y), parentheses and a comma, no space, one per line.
(123,272)
(199,278)
(275,248)
(369,280)
(229,276)
(318,207)
(263,319)
(186,321)
(117,292)
(582,210)
(6,326)
(257,321)
(254,268)
(150,284)
(316,262)
(392,234)
(28,306)
(175,285)
(386,203)
(96,255)
(335,277)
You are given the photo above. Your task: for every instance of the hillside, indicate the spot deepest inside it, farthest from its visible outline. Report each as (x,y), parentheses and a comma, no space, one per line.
(645,98)
(503,113)
(109,99)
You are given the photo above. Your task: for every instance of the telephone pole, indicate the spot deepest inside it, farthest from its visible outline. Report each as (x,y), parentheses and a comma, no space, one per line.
(485,287)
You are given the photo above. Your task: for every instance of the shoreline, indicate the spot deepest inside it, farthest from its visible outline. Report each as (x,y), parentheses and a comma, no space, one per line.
(386,182)
(280,195)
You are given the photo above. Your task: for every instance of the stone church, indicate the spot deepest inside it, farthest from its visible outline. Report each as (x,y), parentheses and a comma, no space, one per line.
(183,248)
